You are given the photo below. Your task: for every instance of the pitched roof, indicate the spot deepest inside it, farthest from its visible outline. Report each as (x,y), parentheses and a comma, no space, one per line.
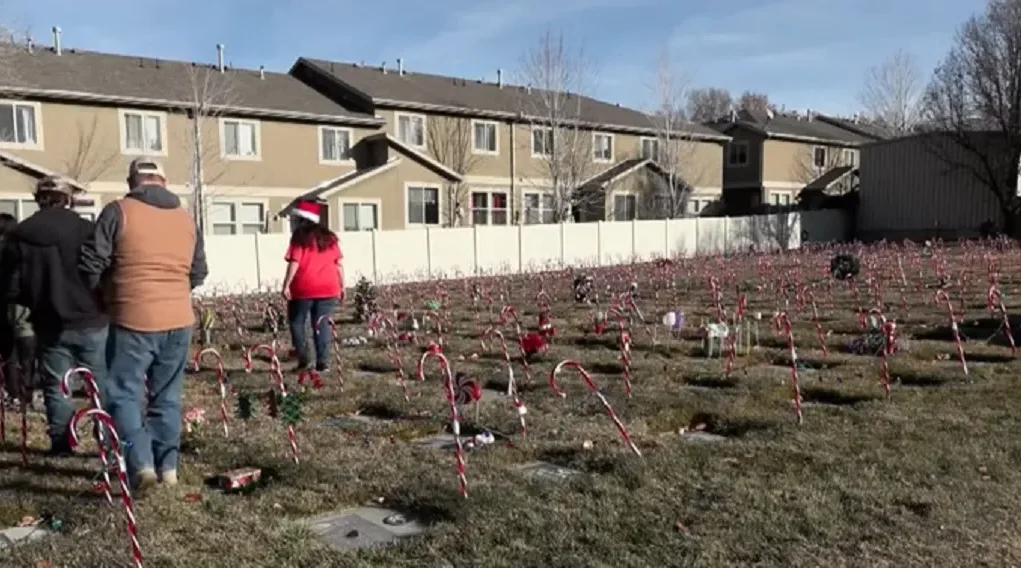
(616,171)
(440,93)
(35,170)
(121,79)
(830,177)
(794,127)
(873,130)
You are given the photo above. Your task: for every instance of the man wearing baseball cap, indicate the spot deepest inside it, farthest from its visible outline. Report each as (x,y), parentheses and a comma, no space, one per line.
(149,255)
(40,271)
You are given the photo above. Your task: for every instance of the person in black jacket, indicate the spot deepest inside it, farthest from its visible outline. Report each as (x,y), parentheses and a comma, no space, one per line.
(39,270)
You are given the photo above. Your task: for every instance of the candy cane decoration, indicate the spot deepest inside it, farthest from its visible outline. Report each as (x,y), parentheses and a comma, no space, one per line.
(810,295)
(595,390)
(508,312)
(335,337)
(624,343)
(437,322)
(381,323)
(292,438)
(889,348)
(106,421)
(512,389)
(274,361)
(455,424)
(221,380)
(785,323)
(994,300)
(942,297)
(91,391)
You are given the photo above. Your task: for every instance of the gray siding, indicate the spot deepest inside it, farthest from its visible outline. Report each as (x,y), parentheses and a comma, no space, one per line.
(908,191)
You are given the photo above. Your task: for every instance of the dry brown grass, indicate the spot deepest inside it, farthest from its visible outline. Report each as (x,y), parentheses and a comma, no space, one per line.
(927,478)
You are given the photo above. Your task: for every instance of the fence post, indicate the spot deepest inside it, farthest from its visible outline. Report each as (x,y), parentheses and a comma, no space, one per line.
(599,243)
(521,248)
(375,258)
(475,247)
(258,265)
(428,253)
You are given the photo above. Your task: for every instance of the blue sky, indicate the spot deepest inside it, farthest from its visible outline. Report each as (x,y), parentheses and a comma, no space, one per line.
(803,53)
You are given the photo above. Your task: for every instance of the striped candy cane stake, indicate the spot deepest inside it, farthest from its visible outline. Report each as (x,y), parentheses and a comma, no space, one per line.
(455,424)
(889,348)
(994,300)
(92,391)
(512,388)
(338,361)
(278,379)
(105,421)
(595,390)
(624,343)
(221,379)
(942,297)
(783,322)
(274,361)
(810,295)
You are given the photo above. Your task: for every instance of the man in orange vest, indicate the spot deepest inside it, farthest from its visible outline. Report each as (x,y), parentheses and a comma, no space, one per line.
(150,256)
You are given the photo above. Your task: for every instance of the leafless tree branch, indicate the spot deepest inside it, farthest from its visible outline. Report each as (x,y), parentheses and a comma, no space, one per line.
(708,103)
(89,159)
(892,93)
(450,140)
(555,75)
(754,102)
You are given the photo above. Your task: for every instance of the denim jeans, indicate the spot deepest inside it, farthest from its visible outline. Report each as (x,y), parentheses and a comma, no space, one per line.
(71,348)
(152,438)
(298,312)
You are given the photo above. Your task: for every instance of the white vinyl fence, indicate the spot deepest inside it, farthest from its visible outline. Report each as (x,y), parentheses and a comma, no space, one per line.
(240,263)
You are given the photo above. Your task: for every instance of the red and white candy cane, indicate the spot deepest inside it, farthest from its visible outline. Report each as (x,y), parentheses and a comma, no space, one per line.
(810,296)
(91,391)
(337,359)
(437,324)
(455,424)
(889,348)
(942,297)
(221,380)
(512,388)
(105,421)
(624,344)
(595,390)
(278,380)
(994,301)
(785,324)
(274,361)
(508,313)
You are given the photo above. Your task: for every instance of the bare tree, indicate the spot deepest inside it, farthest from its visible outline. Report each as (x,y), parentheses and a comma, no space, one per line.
(450,140)
(708,103)
(892,93)
(675,148)
(89,158)
(753,102)
(973,105)
(210,96)
(555,75)
(811,162)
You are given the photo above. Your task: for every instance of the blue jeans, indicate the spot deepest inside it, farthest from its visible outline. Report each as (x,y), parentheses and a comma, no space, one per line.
(72,348)
(152,442)
(298,312)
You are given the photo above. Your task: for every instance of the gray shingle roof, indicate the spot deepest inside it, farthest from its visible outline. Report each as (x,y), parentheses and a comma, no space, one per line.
(801,127)
(870,129)
(474,95)
(144,78)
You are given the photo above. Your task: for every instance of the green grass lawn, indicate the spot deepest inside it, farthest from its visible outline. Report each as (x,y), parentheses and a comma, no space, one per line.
(929,477)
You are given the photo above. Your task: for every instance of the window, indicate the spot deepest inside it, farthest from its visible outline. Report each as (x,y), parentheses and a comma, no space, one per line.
(650,149)
(423,205)
(484,137)
(19,124)
(361,216)
(538,208)
(542,141)
(240,139)
(624,207)
(241,218)
(850,157)
(489,208)
(335,144)
(819,157)
(411,129)
(781,199)
(602,147)
(737,154)
(694,206)
(20,208)
(142,133)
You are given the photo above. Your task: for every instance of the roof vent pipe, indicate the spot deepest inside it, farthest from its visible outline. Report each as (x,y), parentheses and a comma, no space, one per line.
(499,77)
(262,71)
(400,66)
(219,57)
(56,40)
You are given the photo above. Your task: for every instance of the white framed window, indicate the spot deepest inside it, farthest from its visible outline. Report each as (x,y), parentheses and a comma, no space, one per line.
(485,137)
(237,217)
(625,207)
(694,206)
(423,204)
(335,145)
(602,147)
(737,153)
(650,149)
(850,157)
(411,129)
(20,206)
(542,141)
(240,139)
(538,207)
(490,208)
(143,133)
(360,214)
(819,157)
(87,207)
(781,199)
(20,124)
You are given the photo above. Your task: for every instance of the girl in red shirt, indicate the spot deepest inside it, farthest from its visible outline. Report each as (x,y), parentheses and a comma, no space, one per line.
(313,284)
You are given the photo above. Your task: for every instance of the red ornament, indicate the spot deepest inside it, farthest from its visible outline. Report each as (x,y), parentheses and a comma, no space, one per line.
(533,343)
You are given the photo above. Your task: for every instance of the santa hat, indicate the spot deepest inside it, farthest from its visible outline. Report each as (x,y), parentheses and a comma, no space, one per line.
(307,210)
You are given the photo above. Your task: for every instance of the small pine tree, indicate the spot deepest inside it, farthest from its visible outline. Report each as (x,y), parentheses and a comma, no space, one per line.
(365,299)
(291,408)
